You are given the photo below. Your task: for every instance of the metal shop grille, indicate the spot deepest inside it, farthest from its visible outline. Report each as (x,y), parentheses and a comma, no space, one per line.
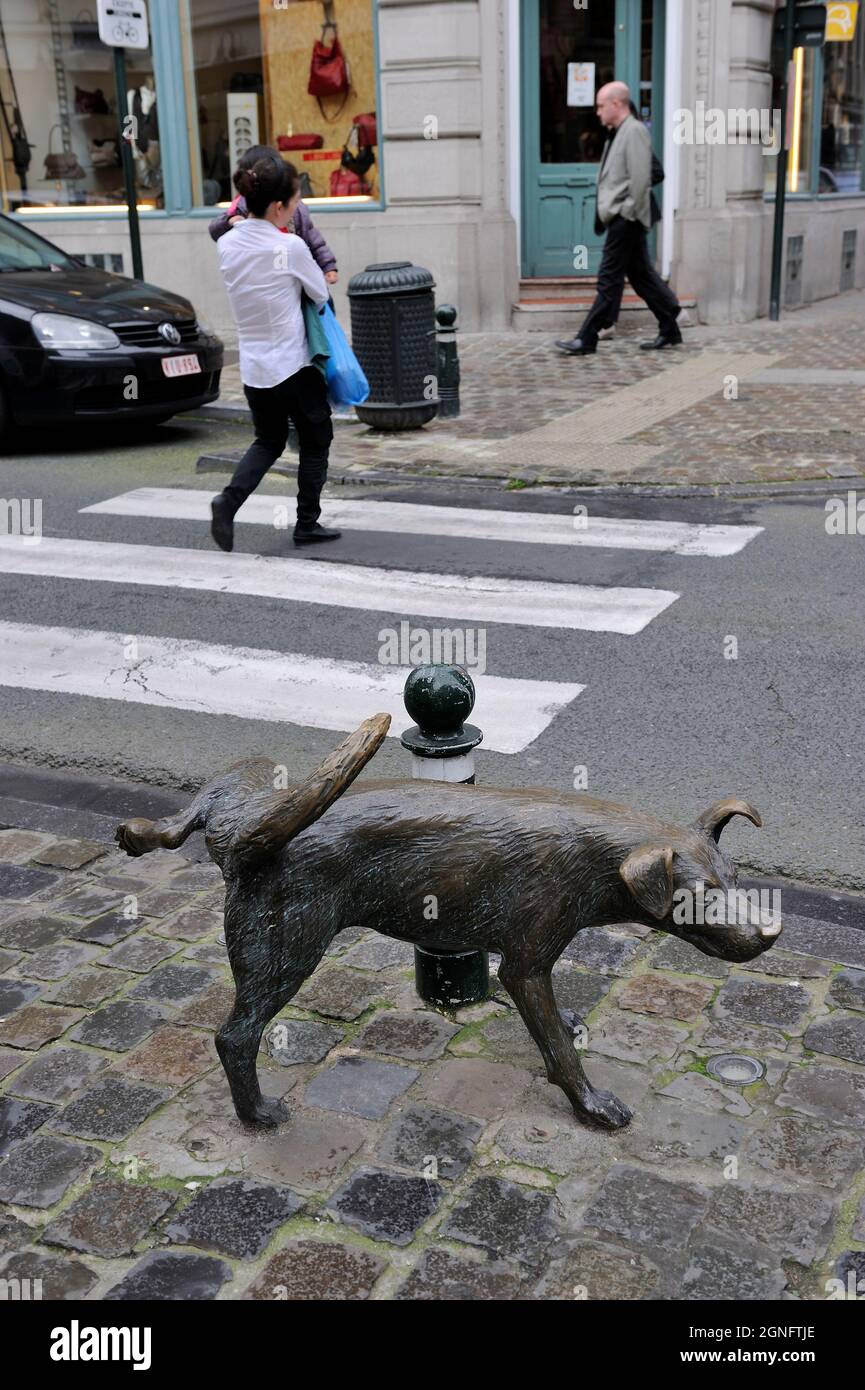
(793,271)
(848,260)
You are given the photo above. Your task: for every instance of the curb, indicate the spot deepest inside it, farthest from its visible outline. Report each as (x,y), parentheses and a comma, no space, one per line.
(795,487)
(239,414)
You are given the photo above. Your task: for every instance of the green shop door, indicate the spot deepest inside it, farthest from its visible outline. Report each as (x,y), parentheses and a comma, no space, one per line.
(569,51)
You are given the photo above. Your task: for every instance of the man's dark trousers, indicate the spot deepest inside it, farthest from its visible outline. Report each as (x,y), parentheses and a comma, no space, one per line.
(303,398)
(626,254)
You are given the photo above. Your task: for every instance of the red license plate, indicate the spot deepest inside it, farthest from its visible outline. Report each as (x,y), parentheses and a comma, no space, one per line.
(187,365)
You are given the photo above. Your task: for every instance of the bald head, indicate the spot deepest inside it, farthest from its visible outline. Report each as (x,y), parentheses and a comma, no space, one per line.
(614,104)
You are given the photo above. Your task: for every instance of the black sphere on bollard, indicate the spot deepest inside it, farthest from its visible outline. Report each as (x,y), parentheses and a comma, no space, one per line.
(440,698)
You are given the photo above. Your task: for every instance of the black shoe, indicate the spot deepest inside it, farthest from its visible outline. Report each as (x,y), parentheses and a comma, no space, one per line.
(576,348)
(310,535)
(222,523)
(663,340)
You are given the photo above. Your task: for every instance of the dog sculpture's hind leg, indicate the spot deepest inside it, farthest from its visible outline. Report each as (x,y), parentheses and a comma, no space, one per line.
(239,1039)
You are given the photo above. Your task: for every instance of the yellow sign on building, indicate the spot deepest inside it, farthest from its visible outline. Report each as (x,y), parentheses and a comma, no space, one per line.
(841,21)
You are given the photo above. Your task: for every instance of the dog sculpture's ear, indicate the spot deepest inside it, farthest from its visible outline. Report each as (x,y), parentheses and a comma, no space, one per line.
(713,820)
(648,873)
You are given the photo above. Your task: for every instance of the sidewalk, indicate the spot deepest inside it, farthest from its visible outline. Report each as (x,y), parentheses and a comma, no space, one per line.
(746,403)
(426,1157)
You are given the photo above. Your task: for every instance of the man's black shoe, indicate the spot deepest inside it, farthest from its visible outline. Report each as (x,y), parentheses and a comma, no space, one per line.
(310,535)
(663,340)
(222,522)
(576,348)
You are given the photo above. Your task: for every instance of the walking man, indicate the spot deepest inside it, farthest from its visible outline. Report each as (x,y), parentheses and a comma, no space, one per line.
(624,209)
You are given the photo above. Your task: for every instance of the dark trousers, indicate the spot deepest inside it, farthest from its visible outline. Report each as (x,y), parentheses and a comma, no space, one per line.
(301,398)
(626,253)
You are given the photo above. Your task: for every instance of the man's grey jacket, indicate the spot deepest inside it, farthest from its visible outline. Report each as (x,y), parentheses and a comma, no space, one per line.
(625,175)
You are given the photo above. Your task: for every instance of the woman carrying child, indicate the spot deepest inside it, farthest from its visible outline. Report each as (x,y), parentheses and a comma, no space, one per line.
(265,274)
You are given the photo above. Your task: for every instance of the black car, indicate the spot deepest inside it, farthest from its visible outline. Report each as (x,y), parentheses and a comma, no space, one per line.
(80,344)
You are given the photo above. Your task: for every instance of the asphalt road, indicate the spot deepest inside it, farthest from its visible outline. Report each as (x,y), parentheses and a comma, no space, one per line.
(666,719)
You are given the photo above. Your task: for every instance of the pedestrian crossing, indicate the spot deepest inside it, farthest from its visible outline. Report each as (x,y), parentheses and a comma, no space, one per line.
(322,692)
(456,597)
(276,687)
(580,528)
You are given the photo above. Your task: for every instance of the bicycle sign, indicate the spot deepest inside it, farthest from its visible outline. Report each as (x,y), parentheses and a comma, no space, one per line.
(123,23)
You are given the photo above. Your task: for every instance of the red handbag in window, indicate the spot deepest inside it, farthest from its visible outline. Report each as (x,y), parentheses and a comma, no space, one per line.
(367,134)
(345,184)
(300,142)
(329,74)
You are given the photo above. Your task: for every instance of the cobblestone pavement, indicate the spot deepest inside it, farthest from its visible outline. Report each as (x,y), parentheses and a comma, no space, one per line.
(753,431)
(426,1157)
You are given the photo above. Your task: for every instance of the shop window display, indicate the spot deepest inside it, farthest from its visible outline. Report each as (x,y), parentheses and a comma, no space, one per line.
(841,131)
(58,112)
(298,75)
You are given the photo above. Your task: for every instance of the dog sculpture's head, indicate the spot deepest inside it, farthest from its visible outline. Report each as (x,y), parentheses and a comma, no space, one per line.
(684,884)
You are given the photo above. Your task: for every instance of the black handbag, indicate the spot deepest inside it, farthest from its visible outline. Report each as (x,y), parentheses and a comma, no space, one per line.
(85,31)
(657,170)
(360,161)
(62,164)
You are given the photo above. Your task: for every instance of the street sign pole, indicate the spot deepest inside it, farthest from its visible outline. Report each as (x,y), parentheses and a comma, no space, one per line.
(123,24)
(781,172)
(128,165)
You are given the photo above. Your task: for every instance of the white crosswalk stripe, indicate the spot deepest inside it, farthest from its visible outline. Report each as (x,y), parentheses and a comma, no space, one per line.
(468,523)
(322,692)
(461,597)
(279,687)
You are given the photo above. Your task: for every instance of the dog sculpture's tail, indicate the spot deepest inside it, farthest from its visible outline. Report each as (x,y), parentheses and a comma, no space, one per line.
(241,813)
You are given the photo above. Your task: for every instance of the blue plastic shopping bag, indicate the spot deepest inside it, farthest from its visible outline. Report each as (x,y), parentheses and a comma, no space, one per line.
(346,383)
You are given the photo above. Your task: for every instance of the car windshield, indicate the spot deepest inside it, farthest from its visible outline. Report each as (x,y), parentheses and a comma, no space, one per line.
(21,249)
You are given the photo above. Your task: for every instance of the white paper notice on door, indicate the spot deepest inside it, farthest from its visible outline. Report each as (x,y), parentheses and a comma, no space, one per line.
(581,84)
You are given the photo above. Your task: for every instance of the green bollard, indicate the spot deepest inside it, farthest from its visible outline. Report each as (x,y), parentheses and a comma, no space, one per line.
(440,698)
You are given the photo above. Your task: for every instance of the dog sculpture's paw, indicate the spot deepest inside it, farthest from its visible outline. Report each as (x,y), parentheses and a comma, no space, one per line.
(603,1109)
(266,1114)
(136,837)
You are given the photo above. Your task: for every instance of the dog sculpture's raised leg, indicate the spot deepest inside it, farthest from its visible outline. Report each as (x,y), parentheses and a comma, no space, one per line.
(534,997)
(237,1043)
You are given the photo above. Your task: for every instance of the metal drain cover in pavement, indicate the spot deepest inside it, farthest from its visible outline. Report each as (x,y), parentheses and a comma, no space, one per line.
(734,1069)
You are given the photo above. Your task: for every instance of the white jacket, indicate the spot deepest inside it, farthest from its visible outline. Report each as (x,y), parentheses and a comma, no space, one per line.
(265,271)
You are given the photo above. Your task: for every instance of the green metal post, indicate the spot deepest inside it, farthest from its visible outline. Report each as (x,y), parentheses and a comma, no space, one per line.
(781,175)
(128,166)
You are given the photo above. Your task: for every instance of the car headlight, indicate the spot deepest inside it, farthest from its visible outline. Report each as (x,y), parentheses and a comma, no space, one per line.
(205,327)
(64,331)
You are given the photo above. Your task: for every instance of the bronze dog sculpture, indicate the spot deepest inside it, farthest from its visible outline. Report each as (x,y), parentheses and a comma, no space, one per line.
(517,872)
